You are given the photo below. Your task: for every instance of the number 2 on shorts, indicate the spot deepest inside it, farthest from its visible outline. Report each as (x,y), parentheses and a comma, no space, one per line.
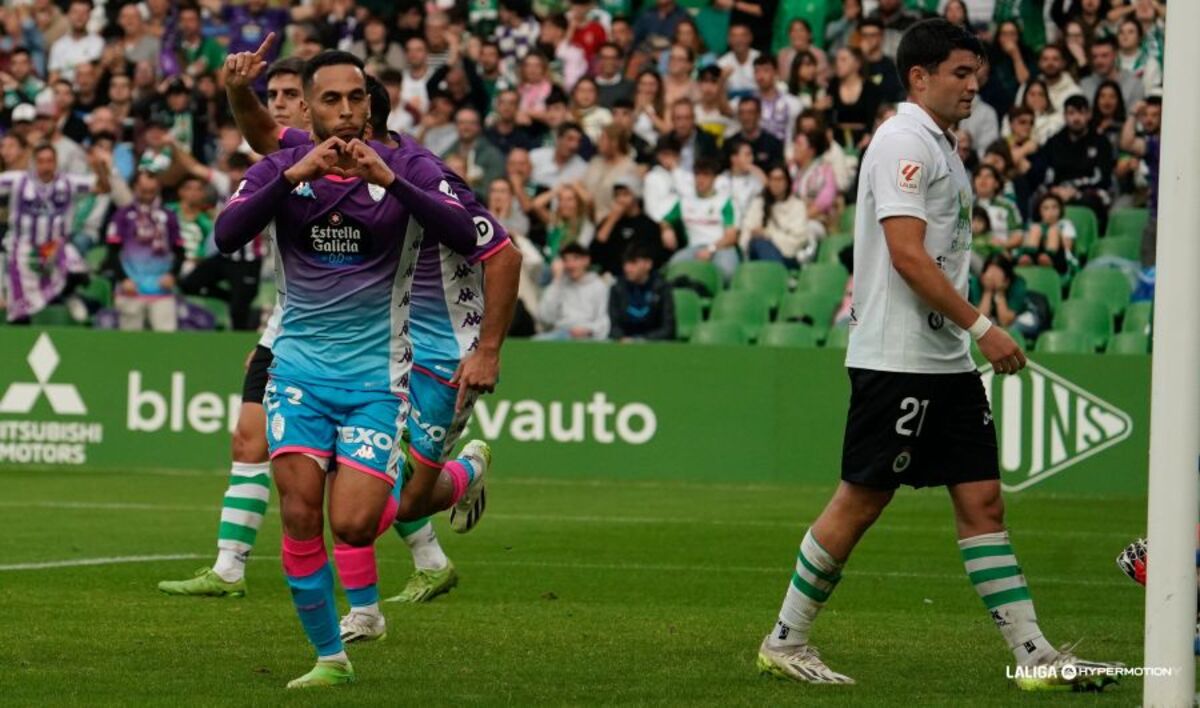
(911,408)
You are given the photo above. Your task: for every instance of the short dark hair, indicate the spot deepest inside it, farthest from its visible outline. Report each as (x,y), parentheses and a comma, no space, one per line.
(755,100)
(556,95)
(574,249)
(990,168)
(816,140)
(559,20)
(668,143)
(870,22)
(45,146)
(765,60)
(567,128)
(1107,40)
(1078,102)
(391,76)
(710,72)
(20,50)
(1154,99)
(636,252)
(381,107)
(614,46)
(329,57)
(708,164)
(288,65)
(623,102)
(928,43)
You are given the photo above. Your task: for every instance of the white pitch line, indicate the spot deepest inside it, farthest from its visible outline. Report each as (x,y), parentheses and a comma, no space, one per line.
(781,571)
(562,518)
(110,560)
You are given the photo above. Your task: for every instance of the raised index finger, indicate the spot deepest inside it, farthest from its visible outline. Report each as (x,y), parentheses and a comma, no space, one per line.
(265,46)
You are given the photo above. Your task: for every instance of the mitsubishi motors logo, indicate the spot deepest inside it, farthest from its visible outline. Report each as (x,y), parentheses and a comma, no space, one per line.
(21,397)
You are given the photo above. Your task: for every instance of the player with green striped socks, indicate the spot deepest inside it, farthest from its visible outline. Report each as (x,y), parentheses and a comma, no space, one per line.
(919,414)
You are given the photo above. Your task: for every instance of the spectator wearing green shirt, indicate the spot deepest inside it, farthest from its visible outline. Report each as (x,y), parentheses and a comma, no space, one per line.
(20,83)
(703,225)
(195,220)
(197,54)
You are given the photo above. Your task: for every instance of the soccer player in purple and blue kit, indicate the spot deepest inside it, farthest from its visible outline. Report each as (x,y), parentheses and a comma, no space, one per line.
(346,217)
(457,341)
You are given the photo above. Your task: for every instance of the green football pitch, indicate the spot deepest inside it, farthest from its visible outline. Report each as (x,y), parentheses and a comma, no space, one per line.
(572,592)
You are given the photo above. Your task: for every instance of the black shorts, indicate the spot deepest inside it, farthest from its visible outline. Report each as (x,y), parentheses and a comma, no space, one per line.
(254,386)
(922,430)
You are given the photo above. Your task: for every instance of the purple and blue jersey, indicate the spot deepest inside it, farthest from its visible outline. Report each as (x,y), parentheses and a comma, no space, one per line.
(348,254)
(447,288)
(148,236)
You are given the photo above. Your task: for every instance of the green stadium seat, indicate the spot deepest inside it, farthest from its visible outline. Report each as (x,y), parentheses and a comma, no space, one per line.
(838,337)
(98,289)
(789,334)
(1139,318)
(829,278)
(767,278)
(830,249)
(813,308)
(1018,337)
(1129,343)
(719,333)
(846,224)
(702,272)
(1044,280)
(748,309)
(1130,221)
(1127,247)
(1063,342)
(689,312)
(53,316)
(1087,317)
(1087,229)
(1105,285)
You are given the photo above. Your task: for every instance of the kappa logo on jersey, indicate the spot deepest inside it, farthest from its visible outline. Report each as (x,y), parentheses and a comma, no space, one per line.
(472,319)
(483,231)
(1045,424)
(462,271)
(466,295)
(910,175)
(364,452)
(21,397)
(446,189)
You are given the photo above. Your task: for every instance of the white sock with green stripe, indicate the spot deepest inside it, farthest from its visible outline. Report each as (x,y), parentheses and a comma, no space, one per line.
(817,574)
(241,516)
(997,578)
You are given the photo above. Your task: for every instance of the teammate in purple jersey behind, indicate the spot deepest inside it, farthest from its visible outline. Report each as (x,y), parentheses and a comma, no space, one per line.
(345,217)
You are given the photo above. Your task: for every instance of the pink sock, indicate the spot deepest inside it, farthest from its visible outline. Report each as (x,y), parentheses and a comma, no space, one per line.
(459,477)
(355,565)
(389,516)
(303,558)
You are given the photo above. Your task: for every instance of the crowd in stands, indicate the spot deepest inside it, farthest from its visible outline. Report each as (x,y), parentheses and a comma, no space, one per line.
(619,143)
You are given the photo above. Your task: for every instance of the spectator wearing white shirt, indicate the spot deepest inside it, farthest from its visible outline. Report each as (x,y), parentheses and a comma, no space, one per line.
(743,181)
(559,163)
(1052,63)
(737,64)
(575,305)
(1135,57)
(78,45)
(568,58)
(667,182)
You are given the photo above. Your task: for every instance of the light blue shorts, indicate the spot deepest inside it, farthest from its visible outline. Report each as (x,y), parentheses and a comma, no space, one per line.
(357,429)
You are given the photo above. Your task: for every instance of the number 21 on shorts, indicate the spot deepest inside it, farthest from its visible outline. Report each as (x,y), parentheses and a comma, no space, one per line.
(911,408)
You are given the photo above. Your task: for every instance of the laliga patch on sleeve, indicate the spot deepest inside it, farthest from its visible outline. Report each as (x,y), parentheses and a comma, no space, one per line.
(910,175)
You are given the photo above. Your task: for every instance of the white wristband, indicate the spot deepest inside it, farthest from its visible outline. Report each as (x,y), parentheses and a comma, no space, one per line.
(980,328)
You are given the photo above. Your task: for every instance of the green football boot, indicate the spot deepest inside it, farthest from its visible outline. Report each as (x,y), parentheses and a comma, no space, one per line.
(205,583)
(324,675)
(424,585)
